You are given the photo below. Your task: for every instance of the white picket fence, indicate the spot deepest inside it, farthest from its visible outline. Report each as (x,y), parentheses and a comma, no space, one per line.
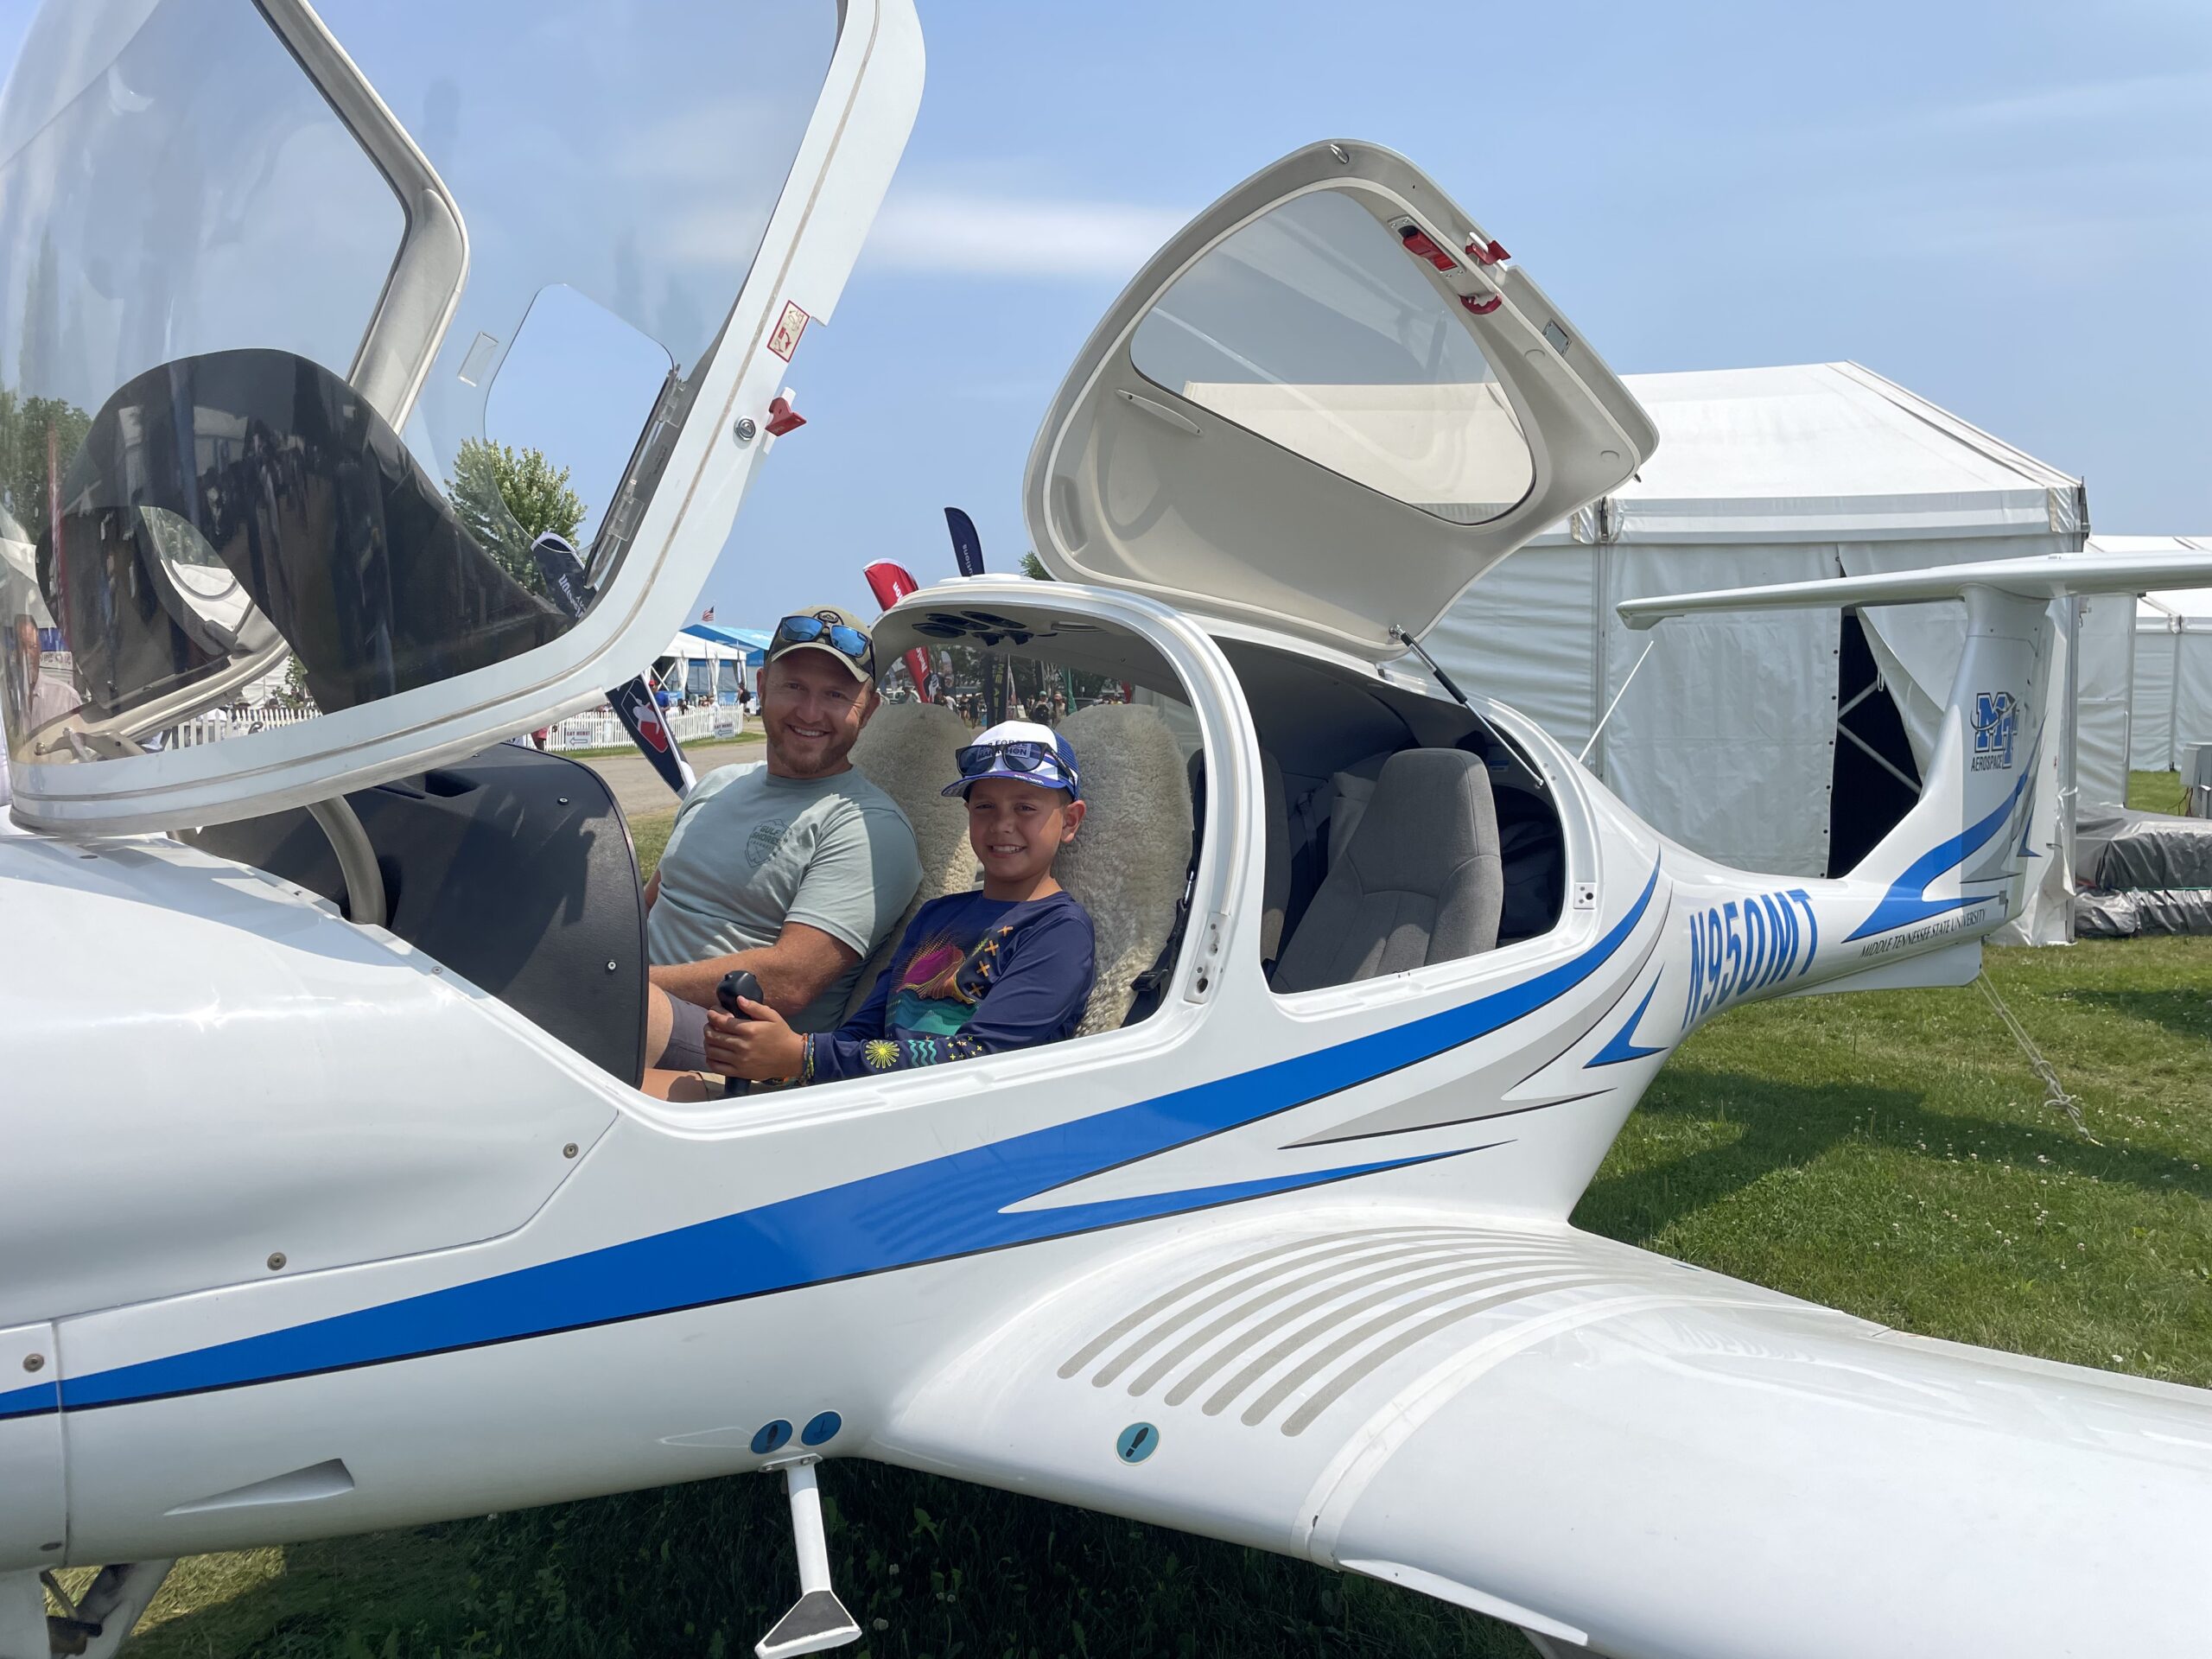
(214,728)
(598,730)
(603,731)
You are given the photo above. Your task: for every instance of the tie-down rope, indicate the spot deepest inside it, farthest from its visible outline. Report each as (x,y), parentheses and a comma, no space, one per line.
(2055,1091)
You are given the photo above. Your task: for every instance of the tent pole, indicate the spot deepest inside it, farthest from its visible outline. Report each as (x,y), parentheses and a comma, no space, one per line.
(1593,754)
(2069,789)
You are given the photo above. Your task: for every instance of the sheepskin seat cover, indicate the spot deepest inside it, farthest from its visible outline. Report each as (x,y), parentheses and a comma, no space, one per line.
(1126,865)
(905,750)
(1128,862)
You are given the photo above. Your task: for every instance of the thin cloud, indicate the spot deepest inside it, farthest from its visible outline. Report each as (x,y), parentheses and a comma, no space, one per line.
(949,232)
(2130,98)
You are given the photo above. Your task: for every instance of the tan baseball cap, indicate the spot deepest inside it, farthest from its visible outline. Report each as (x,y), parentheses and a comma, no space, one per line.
(827,629)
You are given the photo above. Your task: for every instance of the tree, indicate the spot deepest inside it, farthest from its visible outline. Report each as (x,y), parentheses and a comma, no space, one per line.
(24,423)
(1034,568)
(506,498)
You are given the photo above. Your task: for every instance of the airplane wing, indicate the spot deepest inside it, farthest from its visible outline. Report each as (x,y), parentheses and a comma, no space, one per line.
(1612,1450)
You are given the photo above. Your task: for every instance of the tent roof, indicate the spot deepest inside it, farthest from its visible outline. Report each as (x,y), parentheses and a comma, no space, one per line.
(1816,451)
(745,640)
(2159,611)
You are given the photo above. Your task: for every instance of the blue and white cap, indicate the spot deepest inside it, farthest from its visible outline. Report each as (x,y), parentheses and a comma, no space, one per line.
(1022,750)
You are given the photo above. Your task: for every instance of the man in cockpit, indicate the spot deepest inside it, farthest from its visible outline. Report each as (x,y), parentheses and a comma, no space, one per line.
(796,870)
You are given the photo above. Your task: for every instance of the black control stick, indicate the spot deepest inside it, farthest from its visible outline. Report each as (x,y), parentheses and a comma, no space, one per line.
(738,982)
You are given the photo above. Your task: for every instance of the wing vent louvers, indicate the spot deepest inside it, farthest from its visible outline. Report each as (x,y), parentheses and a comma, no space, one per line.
(1283,1333)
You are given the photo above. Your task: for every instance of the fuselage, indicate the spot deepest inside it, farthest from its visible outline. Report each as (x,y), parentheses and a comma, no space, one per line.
(355,1210)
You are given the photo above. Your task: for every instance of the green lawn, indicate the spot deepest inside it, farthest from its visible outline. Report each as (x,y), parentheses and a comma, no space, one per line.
(2155,791)
(1888,1153)
(649,834)
(702,745)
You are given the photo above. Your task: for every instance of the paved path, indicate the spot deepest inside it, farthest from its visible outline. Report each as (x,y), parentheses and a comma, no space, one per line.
(637,787)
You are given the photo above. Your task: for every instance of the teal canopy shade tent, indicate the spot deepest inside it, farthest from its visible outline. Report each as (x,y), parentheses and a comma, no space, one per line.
(707,660)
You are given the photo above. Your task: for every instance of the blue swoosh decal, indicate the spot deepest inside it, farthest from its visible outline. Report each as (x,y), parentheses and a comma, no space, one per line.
(1906,901)
(946,1207)
(1622,1045)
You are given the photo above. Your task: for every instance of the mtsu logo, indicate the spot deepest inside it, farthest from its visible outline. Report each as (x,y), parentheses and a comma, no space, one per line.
(1995,715)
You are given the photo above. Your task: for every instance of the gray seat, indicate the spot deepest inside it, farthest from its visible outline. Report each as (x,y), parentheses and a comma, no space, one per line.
(1419,881)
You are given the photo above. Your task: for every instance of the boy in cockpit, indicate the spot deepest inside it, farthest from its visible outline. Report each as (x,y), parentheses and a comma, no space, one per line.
(976,972)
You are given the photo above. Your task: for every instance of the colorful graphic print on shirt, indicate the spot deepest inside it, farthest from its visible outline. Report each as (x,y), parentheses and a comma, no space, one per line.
(938,993)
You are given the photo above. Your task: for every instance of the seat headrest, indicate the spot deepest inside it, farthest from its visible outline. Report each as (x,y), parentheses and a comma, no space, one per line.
(1127,864)
(905,750)
(1429,813)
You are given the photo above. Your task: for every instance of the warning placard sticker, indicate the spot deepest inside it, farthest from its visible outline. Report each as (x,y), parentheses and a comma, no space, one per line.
(789,327)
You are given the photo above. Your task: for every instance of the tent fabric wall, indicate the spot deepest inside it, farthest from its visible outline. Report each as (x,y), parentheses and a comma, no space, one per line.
(2171,695)
(1712,720)
(1526,634)
(2192,691)
(1727,740)
(2151,694)
(1539,632)
(2104,639)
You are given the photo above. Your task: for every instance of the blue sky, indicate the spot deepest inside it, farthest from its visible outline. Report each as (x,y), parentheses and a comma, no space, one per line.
(2007,208)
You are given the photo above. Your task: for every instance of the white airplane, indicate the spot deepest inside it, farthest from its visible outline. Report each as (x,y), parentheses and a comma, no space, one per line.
(331,1203)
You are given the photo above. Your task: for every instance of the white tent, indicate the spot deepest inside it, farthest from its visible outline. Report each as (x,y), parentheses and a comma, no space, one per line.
(694,666)
(1728,740)
(2171,700)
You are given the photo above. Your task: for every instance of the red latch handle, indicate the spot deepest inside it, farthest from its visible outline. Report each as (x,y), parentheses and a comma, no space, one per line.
(1418,245)
(1480,308)
(1486,255)
(782,418)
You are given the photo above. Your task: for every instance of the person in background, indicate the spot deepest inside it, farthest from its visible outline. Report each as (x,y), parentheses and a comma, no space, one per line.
(40,698)
(976,972)
(795,870)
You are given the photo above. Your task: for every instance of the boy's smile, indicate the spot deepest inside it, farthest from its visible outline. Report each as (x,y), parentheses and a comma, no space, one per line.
(1016,828)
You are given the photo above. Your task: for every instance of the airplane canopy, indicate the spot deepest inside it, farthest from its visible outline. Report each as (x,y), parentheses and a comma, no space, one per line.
(1327,405)
(305,332)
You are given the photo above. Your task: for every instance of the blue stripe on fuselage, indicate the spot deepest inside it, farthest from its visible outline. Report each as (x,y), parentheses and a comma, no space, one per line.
(1905,902)
(950,1206)
(1622,1046)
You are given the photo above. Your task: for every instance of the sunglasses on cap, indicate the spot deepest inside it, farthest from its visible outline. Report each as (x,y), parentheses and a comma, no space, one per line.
(813,631)
(1024,754)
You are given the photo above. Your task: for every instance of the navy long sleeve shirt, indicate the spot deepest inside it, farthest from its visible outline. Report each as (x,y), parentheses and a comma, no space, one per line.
(971,975)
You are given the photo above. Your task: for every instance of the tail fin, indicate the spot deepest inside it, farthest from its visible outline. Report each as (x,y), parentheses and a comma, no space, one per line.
(1949,865)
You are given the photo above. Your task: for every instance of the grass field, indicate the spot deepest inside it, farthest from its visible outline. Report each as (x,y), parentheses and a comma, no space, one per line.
(707,746)
(2155,791)
(1887,1153)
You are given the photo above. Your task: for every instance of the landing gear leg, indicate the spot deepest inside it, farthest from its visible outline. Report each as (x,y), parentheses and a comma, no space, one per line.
(95,1628)
(817,1620)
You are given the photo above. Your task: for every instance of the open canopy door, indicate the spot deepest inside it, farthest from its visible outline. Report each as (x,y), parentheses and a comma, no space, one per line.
(1327,405)
(288,389)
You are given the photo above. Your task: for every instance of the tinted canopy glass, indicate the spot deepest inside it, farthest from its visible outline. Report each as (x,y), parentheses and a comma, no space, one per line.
(238,256)
(1315,328)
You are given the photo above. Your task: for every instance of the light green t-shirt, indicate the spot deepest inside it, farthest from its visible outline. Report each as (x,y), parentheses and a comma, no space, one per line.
(750,852)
